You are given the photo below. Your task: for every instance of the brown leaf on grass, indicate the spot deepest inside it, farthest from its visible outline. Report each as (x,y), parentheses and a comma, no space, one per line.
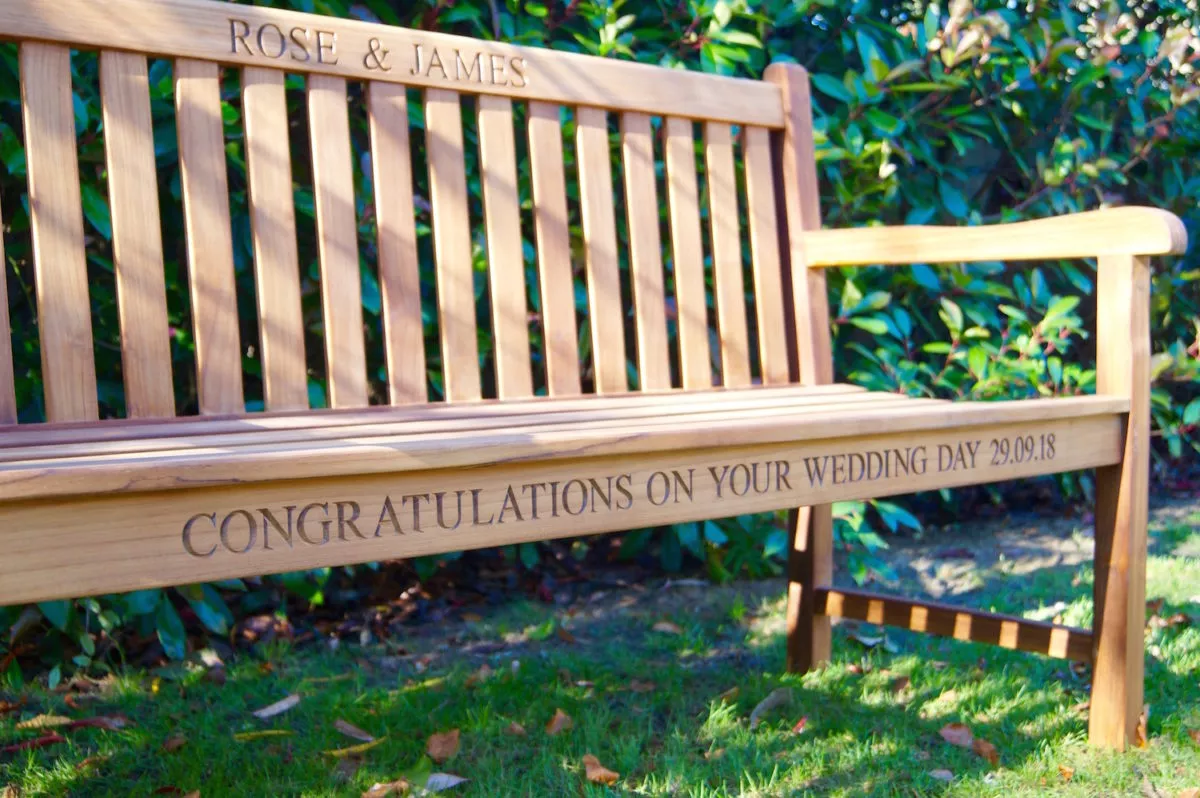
(350,730)
(442,746)
(193,794)
(987,751)
(899,683)
(110,722)
(278,708)
(800,724)
(638,686)
(666,627)
(559,723)
(1195,735)
(479,677)
(380,789)
(92,761)
(245,737)
(957,734)
(174,743)
(729,695)
(1067,772)
(597,773)
(44,722)
(11,706)
(170,789)
(516,729)
(1139,739)
(9,791)
(716,753)
(565,635)
(941,774)
(778,697)
(1190,792)
(354,750)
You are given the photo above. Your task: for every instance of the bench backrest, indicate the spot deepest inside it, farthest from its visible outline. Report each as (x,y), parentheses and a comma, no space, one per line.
(730,202)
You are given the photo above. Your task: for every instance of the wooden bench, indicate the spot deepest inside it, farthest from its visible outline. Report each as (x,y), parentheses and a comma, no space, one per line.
(742,416)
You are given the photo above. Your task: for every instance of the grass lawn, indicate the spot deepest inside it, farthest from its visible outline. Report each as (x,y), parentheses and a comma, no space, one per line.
(660,682)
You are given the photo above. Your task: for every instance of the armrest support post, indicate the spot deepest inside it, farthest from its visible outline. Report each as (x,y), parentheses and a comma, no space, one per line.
(1122,498)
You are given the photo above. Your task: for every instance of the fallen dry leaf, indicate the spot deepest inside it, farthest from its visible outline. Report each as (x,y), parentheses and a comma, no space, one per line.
(667,627)
(516,729)
(442,746)
(559,723)
(1190,792)
(800,724)
(193,794)
(597,773)
(987,751)
(1139,740)
(10,706)
(942,774)
(354,750)
(729,695)
(29,745)
(9,791)
(278,708)
(110,722)
(1067,772)
(442,781)
(565,635)
(716,753)
(638,686)
(350,730)
(899,683)
(245,737)
(958,734)
(92,761)
(479,677)
(1195,735)
(174,743)
(380,789)
(44,722)
(779,697)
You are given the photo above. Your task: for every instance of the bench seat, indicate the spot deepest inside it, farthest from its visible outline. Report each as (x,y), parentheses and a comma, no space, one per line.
(59,460)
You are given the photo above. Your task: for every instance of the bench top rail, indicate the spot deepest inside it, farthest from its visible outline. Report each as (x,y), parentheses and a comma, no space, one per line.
(628,216)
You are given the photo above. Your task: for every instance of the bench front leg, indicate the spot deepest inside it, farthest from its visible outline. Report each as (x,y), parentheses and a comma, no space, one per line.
(1122,504)
(810,566)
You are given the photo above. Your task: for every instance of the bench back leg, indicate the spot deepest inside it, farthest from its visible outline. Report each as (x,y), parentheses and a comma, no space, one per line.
(1122,498)
(810,529)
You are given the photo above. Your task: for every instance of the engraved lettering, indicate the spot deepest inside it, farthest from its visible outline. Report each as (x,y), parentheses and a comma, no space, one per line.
(325,524)
(497,69)
(416,507)
(187,534)
(237,36)
(226,523)
(264,41)
(517,65)
(474,68)
(782,467)
(719,479)
(624,482)
(510,504)
(439,498)
(435,60)
(733,479)
(604,497)
(389,512)
(299,49)
(666,488)
(376,57)
(532,487)
(269,520)
(683,486)
(583,497)
(416,68)
(475,509)
(344,522)
(323,47)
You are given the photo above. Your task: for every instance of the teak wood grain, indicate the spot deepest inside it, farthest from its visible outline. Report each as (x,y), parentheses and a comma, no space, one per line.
(605,312)
(8,397)
(136,235)
(200,29)
(273,228)
(56,225)
(551,231)
(205,186)
(395,218)
(726,254)
(645,252)
(687,253)
(337,241)
(763,229)
(452,245)
(506,261)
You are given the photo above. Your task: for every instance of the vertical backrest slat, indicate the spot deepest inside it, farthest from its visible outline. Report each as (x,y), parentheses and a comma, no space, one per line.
(645,252)
(56,221)
(728,284)
(600,244)
(764,254)
(136,235)
(273,225)
(687,253)
(209,238)
(452,244)
(8,397)
(337,241)
(506,263)
(399,272)
(555,278)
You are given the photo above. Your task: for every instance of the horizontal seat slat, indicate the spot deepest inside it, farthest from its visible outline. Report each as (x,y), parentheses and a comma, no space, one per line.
(101,544)
(474,449)
(748,404)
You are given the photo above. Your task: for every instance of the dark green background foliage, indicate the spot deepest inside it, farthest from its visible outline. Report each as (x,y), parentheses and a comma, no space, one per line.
(925,113)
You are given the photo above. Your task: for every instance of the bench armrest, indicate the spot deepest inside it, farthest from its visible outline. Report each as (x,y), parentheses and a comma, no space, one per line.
(1115,231)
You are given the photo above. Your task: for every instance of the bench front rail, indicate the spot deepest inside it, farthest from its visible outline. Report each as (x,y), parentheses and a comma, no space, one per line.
(645,417)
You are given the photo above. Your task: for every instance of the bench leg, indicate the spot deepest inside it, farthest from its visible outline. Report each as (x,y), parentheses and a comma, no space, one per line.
(810,565)
(1122,499)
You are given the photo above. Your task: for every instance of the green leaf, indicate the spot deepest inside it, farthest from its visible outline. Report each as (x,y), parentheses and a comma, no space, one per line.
(1191,413)
(952,199)
(170,629)
(95,210)
(884,122)
(57,613)
(827,84)
(870,324)
(952,315)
